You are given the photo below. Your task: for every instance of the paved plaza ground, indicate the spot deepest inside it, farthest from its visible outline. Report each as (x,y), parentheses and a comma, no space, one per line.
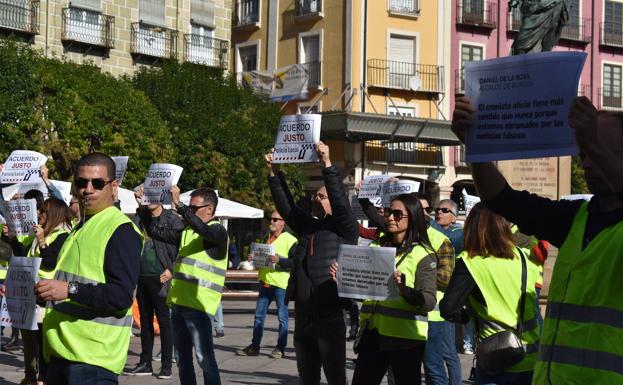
(234,370)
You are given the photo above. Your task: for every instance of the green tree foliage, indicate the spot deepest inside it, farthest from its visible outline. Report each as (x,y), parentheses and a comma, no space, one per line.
(220,129)
(56,107)
(578,183)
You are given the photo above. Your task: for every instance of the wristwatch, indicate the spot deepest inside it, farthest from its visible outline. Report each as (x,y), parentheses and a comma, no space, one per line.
(72,289)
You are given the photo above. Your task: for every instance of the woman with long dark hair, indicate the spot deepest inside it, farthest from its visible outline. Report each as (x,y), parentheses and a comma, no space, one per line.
(488,279)
(50,235)
(393,332)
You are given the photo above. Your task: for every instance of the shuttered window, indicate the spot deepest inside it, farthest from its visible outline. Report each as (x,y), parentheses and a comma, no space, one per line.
(88,4)
(310,49)
(202,12)
(151,12)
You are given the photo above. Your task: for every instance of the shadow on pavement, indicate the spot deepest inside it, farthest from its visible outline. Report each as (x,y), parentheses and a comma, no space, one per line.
(283,379)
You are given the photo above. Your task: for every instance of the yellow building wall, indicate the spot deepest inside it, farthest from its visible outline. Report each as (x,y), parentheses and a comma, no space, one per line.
(381,23)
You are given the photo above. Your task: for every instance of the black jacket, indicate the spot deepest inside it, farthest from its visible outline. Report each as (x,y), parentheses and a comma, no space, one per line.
(310,284)
(166,251)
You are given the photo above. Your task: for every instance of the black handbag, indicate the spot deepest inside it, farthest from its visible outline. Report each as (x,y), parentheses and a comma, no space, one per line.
(504,349)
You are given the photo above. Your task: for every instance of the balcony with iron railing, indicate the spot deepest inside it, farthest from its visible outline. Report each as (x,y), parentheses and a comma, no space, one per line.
(306,9)
(153,41)
(247,15)
(610,99)
(405,76)
(87,27)
(578,30)
(206,50)
(21,16)
(476,13)
(611,34)
(404,7)
(411,153)
(459,81)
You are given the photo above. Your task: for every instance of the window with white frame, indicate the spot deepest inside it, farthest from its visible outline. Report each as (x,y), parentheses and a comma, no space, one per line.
(247,58)
(401,57)
(613,22)
(469,53)
(309,55)
(611,87)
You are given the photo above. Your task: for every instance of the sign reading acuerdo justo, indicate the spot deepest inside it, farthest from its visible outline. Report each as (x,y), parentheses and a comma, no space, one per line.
(296,139)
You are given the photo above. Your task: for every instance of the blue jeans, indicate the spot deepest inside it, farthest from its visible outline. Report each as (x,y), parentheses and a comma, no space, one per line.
(440,349)
(219,323)
(193,328)
(468,336)
(267,294)
(506,378)
(63,372)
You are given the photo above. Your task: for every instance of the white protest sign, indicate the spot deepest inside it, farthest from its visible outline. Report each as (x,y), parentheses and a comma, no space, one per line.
(261,253)
(296,139)
(121,165)
(521,105)
(20,215)
(19,304)
(366,272)
(392,189)
(469,201)
(21,189)
(22,166)
(157,185)
(372,186)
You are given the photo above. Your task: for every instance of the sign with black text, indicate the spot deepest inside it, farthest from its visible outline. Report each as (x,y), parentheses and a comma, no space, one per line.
(366,272)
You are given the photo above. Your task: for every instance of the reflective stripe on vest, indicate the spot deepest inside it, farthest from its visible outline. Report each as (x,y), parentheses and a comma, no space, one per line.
(278,278)
(582,337)
(76,332)
(198,279)
(199,282)
(204,266)
(84,313)
(392,312)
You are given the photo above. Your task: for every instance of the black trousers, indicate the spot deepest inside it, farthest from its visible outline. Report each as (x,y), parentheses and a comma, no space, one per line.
(372,362)
(321,343)
(149,302)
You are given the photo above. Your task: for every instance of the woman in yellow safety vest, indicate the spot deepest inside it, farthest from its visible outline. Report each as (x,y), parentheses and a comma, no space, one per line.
(488,278)
(50,234)
(393,332)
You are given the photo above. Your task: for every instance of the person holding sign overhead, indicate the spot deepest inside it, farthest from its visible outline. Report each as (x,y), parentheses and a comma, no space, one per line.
(319,330)
(90,297)
(273,284)
(197,282)
(394,332)
(584,302)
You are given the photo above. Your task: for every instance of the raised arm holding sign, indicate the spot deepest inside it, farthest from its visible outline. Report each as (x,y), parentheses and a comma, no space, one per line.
(157,187)
(22,167)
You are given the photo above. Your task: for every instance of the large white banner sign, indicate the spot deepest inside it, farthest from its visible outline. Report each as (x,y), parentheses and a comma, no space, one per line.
(19,304)
(296,139)
(521,105)
(366,272)
(20,215)
(157,185)
(22,166)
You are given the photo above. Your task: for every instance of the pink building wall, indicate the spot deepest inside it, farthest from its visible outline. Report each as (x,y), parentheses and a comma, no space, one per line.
(497,41)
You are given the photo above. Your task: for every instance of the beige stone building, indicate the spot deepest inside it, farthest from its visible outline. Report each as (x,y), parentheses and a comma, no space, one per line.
(121,35)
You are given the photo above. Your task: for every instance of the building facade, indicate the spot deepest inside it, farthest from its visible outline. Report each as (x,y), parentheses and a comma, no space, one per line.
(120,35)
(487,29)
(378,71)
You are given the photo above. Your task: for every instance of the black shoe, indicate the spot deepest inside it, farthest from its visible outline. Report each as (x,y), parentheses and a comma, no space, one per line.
(141,369)
(164,374)
(220,334)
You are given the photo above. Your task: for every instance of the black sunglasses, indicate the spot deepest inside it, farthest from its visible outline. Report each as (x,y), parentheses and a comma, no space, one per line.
(98,183)
(428,210)
(444,210)
(194,209)
(397,213)
(276,219)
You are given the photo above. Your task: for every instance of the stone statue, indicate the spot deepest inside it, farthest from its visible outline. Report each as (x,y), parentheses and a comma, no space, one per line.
(541,24)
